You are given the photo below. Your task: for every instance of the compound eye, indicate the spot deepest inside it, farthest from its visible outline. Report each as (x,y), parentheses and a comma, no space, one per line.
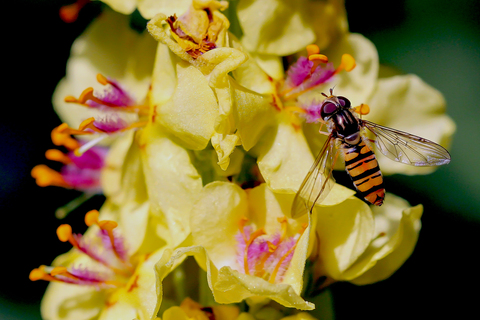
(328,108)
(344,102)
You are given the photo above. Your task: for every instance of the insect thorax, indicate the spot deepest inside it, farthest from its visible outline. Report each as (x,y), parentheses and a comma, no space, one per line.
(346,126)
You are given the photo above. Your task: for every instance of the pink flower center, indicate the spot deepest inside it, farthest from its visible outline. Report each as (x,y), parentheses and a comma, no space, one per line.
(265,256)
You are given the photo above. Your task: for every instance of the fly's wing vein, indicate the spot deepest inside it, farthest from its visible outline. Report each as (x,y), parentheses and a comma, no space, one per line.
(407,148)
(317,183)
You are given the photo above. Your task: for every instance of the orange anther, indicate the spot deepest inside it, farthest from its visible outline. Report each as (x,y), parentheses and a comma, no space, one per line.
(45,176)
(312,49)
(64,232)
(86,123)
(57,155)
(321,58)
(282,219)
(86,95)
(348,63)
(61,137)
(36,274)
(271,247)
(91,217)
(70,99)
(102,79)
(107,225)
(58,270)
(69,13)
(362,109)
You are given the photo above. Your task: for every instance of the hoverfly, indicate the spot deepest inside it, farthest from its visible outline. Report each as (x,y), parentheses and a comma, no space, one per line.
(347,133)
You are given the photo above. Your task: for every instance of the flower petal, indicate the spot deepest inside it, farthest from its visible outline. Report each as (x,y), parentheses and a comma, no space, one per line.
(408,104)
(71,302)
(110,47)
(344,232)
(284,157)
(221,207)
(275,27)
(357,84)
(191,112)
(149,8)
(401,225)
(230,286)
(173,183)
(122,6)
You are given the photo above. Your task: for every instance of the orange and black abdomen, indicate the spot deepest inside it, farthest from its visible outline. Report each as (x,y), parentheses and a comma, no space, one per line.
(362,166)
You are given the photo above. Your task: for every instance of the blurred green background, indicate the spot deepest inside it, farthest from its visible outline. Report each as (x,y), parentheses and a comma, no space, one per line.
(437,40)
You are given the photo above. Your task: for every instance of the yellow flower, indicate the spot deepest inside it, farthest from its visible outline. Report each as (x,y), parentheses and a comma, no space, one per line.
(402,102)
(358,246)
(283,154)
(100,278)
(189,310)
(247,244)
(194,97)
(148,8)
(172,182)
(107,47)
(286,27)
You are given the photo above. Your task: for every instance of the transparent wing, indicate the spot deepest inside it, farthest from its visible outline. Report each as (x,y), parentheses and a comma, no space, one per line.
(407,148)
(318,182)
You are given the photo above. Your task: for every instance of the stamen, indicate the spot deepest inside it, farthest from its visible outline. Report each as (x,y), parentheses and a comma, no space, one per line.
(362,109)
(312,49)
(91,217)
(273,275)
(102,79)
(64,234)
(317,59)
(253,236)
(57,155)
(241,226)
(62,138)
(69,13)
(348,63)
(40,274)
(45,176)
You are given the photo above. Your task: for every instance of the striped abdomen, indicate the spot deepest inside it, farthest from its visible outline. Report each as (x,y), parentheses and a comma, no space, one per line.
(362,166)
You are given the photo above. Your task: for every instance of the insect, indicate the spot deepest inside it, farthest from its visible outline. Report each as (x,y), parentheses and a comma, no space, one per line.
(347,133)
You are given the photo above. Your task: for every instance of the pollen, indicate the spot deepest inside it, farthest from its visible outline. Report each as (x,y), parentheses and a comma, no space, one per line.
(91,217)
(45,176)
(62,138)
(57,155)
(348,63)
(64,232)
(312,49)
(362,109)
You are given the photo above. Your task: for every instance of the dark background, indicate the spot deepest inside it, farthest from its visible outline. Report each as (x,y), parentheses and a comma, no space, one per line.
(437,40)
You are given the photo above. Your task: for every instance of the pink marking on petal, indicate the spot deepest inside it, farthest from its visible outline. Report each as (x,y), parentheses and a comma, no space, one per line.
(82,179)
(298,72)
(93,158)
(119,243)
(114,95)
(312,111)
(87,275)
(320,75)
(111,124)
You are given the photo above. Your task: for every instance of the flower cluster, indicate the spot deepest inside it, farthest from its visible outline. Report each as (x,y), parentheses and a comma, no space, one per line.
(200,136)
